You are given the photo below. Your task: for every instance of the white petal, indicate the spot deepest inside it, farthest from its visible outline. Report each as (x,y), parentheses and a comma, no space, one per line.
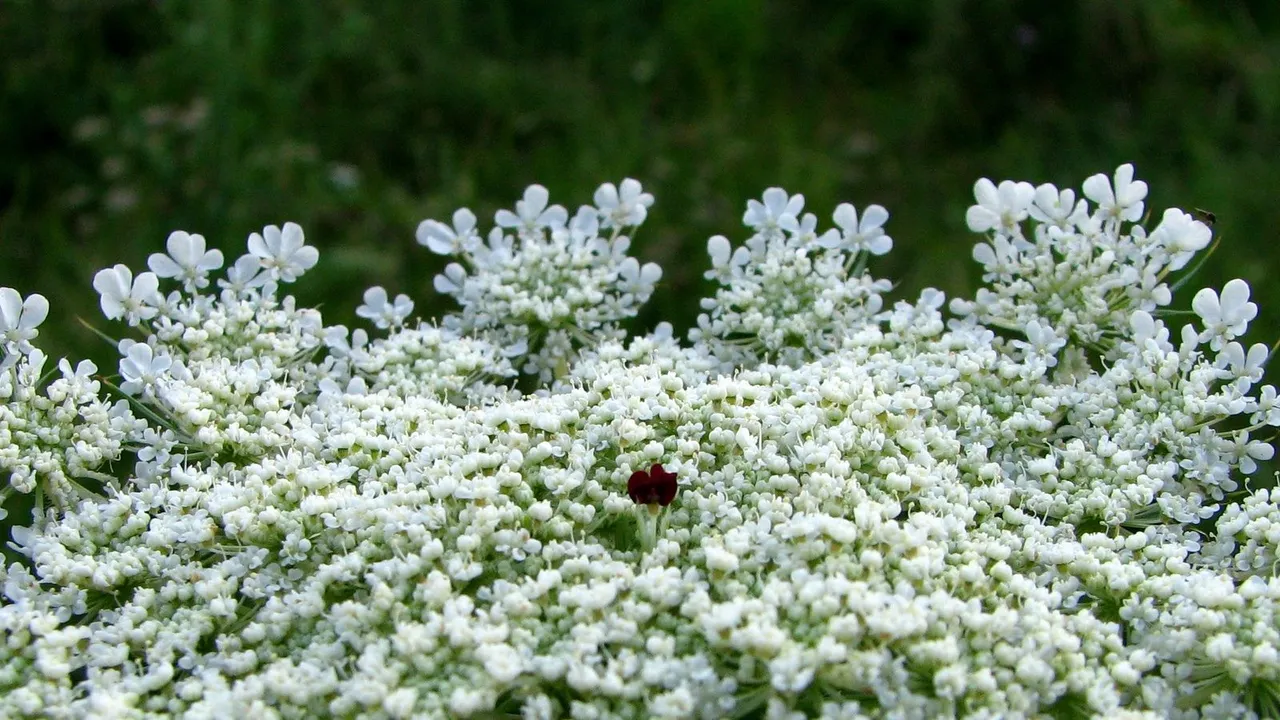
(10,308)
(535,200)
(1235,294)
(291,237)
(980,219)
(718,248)
(34,311)
(606,196)
(163,265)
(1098,189)
(873,216)
(984,191)
(464,221)
(846,217)
(1205,304)
(650,273)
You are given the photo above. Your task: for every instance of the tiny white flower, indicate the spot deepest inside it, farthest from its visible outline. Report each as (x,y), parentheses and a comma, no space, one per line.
(532,212)
(1058,208)
(381,311)
(1247,452)
(724,260)
(1181,236)
(1224,317)
(188,260)
(999,208)
(859,234)
(1244,367)
(779,211)
(623,206)
(142,367)
(283,253)
(638,280)
(1000,256)
(1268,412)
(584,228)
(1121,200)
(245,274)
(19,319)
(932,298)
(123,296)
(444,240)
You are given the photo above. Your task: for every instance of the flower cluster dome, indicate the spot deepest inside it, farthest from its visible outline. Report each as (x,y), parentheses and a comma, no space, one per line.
(1036,502)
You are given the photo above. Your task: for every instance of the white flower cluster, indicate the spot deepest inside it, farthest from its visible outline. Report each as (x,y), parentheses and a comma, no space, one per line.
(788,294)
(880,512)
(1078,273)
(555,286)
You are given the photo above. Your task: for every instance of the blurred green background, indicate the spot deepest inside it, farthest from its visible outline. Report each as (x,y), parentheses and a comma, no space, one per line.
(121,121)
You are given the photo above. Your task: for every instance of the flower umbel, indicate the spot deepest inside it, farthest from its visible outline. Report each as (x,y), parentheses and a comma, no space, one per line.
(1035,504)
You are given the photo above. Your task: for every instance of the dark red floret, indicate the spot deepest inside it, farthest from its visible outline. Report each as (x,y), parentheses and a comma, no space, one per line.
(655,486)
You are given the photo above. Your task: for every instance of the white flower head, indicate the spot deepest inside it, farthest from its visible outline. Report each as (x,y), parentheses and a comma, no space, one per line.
(442,239)
(245,274)
(1001,208)
(1041,341)
(849,479)
(622,206)
(1181,236)
(859,234)
(807,232)
(1058,208)
(381,311)
(188,260)
(1118,200)
(283,253)
(1227,316)
(635,279)
(1245,367)
(142,367)
(123,296)
(725,261)
(1268,412)
(19,319)
(779,211)
(1246,452)
(532,213)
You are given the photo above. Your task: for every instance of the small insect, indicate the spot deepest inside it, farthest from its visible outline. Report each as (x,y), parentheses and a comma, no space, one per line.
(1205,217)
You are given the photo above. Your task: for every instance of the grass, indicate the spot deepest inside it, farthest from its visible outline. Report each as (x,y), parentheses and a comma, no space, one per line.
(126,120)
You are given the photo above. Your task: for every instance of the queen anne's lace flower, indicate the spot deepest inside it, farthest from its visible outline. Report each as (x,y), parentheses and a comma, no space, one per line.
(123,296)
(188,261)
(779,211)
(858,235)
(1224,317)
(282,253)
(1035,507)
(999,208)
(1119,198)
(19,318)
(384,313)
(624,206)
(554,288)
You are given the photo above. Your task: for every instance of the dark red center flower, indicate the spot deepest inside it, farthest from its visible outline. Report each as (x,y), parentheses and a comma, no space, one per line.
(655,486)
